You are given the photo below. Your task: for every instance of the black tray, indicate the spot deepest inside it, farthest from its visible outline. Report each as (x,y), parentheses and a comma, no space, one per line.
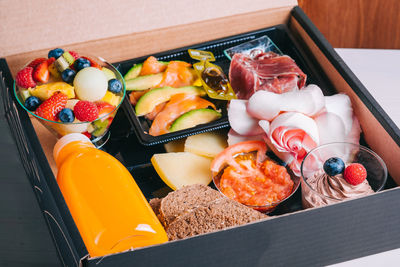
(278,34)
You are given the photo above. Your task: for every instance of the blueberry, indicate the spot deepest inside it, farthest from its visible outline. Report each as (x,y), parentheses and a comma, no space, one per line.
(66,115)
(56,53)
(68,75)
(333,166)
(32,103)
(114,86)
(81,63)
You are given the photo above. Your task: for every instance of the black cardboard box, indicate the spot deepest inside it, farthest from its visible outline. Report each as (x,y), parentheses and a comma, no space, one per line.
(320,236)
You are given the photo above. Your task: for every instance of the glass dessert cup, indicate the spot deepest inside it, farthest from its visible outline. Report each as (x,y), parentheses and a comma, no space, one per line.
(97,130)
(270,206)
(312,165)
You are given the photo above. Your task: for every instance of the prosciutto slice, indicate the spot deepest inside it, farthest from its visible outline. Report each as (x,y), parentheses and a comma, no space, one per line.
(264,71)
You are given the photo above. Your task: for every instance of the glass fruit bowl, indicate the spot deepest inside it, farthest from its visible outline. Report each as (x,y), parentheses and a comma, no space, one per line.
(322,184)
(71,93)
(267,208)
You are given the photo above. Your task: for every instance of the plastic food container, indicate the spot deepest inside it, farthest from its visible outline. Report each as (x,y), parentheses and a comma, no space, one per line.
(278,39)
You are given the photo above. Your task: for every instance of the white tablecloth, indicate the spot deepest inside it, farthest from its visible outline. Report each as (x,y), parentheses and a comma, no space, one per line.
(379,71)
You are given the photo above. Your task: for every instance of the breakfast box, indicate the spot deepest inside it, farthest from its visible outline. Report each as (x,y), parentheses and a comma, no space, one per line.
(319,236)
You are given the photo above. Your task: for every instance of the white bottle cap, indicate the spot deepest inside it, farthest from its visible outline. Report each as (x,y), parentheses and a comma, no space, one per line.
(66,139)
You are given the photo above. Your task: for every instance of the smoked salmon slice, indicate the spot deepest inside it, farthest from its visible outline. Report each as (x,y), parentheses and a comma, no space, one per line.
(177,74)
(178,105)
(152,66)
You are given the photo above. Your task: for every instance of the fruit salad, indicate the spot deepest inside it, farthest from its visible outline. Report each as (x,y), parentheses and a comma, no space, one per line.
(71,93)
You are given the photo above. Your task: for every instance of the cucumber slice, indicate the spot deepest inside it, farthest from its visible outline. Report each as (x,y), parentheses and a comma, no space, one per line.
(159,95)
(193,118)
(143,82)
(133,72)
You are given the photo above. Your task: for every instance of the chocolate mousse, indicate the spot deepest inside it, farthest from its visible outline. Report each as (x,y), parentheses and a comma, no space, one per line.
(331,189)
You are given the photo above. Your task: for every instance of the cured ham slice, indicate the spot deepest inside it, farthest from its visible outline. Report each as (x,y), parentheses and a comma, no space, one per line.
(264,71)
(291,136)
(340,105)
(240,121)
(267,105)
(234,138)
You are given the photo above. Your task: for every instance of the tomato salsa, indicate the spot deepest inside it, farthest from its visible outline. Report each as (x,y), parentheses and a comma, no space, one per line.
(248,180)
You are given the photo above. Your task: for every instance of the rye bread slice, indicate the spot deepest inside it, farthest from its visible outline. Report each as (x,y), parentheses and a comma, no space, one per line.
(155,204)
(214,215)
(185,200)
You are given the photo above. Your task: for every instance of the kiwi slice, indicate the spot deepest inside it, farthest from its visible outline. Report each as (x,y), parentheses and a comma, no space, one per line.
(68,57)
(61,64)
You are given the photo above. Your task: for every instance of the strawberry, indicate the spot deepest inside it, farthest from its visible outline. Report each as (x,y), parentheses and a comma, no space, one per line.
(24,78)
(41,72)
(52,106)
(86,111)
(93,63)
(36,62)
(355,173)
(104,108)
(74,54)
(89,135)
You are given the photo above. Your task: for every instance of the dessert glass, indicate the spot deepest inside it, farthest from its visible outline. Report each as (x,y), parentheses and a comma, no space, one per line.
(98,129)
(349,153)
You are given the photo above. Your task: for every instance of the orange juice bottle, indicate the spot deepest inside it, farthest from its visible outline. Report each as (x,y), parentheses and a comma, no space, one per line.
(110,211)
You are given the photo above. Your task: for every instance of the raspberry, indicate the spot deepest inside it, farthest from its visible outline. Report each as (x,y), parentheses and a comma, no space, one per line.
(86,111)
(24,78)
(50,108)
(355,173)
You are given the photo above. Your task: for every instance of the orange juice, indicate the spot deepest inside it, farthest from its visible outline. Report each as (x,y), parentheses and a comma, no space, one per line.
(110,211)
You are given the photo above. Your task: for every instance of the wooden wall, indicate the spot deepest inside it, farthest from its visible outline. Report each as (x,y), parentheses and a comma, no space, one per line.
(356,23)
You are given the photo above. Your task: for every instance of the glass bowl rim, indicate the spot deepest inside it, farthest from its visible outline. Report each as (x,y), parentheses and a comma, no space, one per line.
(114,69)
(270,205)
(364,148)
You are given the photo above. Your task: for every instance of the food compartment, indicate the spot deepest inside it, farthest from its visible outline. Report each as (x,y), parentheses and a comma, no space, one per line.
(279,35)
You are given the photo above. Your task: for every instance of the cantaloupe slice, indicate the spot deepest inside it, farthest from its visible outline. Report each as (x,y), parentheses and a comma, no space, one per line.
(206,144)
(182,168)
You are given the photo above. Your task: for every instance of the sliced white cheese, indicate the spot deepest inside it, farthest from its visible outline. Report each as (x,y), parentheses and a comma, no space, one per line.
(175,146)
(206,144)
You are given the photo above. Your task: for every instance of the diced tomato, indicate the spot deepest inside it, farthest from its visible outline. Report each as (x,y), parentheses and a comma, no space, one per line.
(227,157)
(177,74)
(256,186)
(249,178)
(152,66)
(178,105)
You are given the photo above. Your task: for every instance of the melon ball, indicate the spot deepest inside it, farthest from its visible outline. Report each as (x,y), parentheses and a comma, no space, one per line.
(90,84)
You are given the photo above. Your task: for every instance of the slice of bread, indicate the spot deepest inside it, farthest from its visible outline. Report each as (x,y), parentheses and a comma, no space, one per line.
(184,200)
(155,204)
(199,209)
(213,216)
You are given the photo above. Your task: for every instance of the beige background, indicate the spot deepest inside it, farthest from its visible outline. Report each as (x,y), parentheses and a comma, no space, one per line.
(32,25)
